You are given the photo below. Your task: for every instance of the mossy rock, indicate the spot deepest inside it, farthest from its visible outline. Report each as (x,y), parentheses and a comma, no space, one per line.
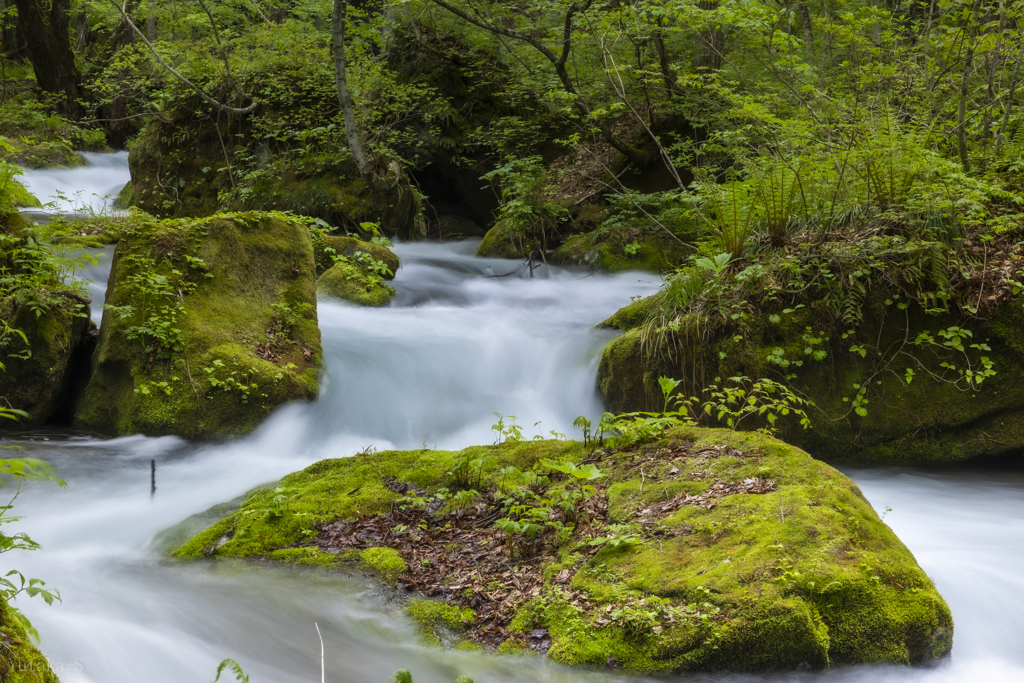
(19,196)
(930,419)
(125,198)
(350,282)
(42,368)
(502,241)
(352,247)
(20,660)
(43,153)
(617,252)
(91,233)
(211,326)
(805,575)
(632,315)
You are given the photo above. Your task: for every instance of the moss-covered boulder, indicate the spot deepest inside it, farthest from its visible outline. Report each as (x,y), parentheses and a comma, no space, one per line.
(210,324)
(350,282)
(705,550)
(42,366)
(502,241)
(617,251)
(328,248)
(354,270)
(20,660)
(905,387)
(604,249)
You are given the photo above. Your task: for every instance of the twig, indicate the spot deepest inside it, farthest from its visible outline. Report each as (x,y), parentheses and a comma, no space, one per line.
(199,91)
(322,670)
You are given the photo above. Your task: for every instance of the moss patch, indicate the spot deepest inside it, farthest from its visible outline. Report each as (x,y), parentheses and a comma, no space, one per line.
(20,661)
(385,562)
(439,623)
(304,556)
(351,248)
(211,325)
(350,282)
(618,251)
(502,241)
(126,197)
(802,574)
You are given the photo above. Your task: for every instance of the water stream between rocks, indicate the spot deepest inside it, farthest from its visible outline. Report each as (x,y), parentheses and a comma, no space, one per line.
(456,346)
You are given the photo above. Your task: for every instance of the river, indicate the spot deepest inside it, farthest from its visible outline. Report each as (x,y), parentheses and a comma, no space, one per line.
(464,339)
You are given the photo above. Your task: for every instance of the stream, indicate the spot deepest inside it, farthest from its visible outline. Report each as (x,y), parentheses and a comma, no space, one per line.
(465,338)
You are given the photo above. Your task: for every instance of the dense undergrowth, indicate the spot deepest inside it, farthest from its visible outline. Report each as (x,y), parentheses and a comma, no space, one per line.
(658,129)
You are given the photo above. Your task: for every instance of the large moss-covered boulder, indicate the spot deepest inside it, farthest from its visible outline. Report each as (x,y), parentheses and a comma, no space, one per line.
(41,367)
(704,550)
(210,324)
(20,660)
(906,386)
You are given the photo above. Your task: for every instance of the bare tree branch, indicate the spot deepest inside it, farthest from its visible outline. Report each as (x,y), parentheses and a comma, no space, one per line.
(199,91)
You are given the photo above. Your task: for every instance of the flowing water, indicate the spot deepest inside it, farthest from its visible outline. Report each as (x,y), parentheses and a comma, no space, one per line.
(464,339)
(88,189)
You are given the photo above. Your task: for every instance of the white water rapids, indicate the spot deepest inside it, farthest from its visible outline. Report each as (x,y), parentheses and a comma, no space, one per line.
(455,347)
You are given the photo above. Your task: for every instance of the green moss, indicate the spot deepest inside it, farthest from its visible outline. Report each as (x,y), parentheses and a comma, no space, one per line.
(40,381)
(619,251)
(20,661)
(351,248)
(503,241)
(42,153)
(804,575)
(386,562)
(304,556)
(627,376)
(349,282)
(125,197)
(238,319)
(632,315)
(511,646)
(923,421)
(17,195)
(345,488)
(438,622)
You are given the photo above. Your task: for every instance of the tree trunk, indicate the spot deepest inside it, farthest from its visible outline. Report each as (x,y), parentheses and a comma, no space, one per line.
(707,52)
(807,26)
(81,30)
(49,49)
(355,142)
(151,32)
(398,201)
(12,41)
